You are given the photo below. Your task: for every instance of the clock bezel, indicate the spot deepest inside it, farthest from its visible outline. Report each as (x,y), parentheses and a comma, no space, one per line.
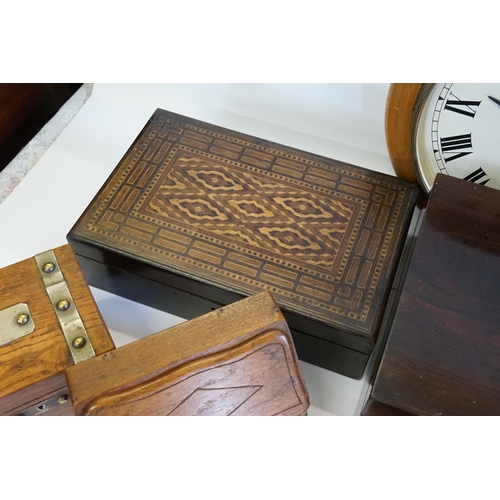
(425,181)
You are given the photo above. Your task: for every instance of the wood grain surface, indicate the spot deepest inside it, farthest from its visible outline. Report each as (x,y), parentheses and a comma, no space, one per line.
(30,367)
(443,352)
(398,117)
(237,360)
(213,212)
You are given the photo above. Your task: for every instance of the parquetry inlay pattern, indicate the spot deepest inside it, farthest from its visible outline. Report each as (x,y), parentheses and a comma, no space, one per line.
(250,215)
(226,201)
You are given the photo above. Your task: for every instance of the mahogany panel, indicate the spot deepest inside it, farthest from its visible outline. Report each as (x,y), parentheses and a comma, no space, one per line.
(443,352)
(24,109)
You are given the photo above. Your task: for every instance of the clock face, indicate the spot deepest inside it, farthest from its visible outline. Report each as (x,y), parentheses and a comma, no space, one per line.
(458,133)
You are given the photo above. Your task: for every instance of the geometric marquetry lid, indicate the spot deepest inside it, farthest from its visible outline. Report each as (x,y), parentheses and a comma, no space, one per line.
(246,214)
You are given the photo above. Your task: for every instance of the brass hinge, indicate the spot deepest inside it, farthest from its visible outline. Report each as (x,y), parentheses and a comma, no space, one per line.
(72,326)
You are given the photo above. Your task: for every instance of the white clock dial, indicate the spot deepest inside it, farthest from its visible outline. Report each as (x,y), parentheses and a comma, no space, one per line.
(458,133)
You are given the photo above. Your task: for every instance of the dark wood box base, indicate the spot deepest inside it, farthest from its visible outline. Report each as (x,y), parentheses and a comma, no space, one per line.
(310,349)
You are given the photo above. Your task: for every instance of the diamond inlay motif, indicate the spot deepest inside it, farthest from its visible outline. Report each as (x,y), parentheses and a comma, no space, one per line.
(289,238)
(214,180)
(304,208)
(196,209)
(250,208)
(217,200)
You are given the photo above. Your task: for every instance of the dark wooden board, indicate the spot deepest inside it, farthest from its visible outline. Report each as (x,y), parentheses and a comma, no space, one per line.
(24,109)
(443,352)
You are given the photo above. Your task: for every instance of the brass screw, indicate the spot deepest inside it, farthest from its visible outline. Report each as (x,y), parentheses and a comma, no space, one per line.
(22,319)
(48,267)
(63,305)
(62,399)
(78,342)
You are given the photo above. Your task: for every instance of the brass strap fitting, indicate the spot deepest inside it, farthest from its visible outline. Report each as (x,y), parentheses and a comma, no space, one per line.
(71,323)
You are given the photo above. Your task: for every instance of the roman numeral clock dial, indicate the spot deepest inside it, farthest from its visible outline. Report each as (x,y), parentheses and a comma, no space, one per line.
(456,131)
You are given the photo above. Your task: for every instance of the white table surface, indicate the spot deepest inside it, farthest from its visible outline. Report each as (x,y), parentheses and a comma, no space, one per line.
(341,121)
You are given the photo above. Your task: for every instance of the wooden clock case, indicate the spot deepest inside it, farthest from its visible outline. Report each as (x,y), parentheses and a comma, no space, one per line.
(400,103)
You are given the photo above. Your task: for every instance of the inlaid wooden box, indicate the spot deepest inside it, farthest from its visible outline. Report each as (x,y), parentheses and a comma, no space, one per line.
(443,352)
(196,216)
(48,322)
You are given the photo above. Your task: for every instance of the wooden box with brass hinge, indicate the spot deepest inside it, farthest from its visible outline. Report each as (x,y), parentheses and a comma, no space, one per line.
(196,216)
(57,357)
(48,322)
